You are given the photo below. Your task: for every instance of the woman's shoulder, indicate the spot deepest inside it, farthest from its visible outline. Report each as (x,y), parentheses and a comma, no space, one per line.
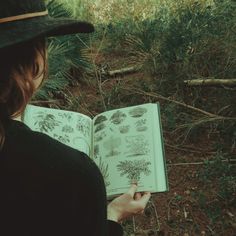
(37,160)
(20,136)
(22,141)
(23,145)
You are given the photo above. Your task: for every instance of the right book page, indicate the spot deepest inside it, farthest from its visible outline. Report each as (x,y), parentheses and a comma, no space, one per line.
(127,146)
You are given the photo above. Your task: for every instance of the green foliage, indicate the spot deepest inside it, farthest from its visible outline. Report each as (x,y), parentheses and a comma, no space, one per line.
(65,53)
(58,10)
(224,173)
(169,113)
(189,43)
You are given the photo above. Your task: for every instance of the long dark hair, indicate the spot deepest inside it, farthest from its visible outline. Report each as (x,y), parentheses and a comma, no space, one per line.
(18,68)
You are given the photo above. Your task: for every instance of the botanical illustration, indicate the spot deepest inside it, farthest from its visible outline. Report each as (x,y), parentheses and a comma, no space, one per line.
(100,119)
(66,116)
(96,152)
(63,139)
(67,129)
(99,136)
(137,112)
(112,145)
(83,126)
(134,169)
(46,122)
(137,145)
(141,125)
(118,117)
(99,127)
(104,170)
(124,129)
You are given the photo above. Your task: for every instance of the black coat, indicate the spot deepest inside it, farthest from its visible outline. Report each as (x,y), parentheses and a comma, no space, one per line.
(48,188)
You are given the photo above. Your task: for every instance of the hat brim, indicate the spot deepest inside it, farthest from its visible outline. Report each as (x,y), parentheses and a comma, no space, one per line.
(24,30)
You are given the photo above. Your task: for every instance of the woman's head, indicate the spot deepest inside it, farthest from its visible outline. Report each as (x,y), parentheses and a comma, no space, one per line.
(22,68)
(22,53)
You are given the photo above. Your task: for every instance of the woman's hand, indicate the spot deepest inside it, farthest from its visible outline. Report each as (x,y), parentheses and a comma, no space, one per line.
(128,204)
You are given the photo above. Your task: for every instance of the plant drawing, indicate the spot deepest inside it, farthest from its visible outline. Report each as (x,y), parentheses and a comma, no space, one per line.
(100,119)
(46,122)
(96,151)
(112,144)
(134,169)
(140,125)
(99,127)
(83,126)
(124,129)
(141,122)
(137,145)
(137,112)
(142,128)
(67,129)
(63,139)
(99,137)
(67,116)
(118,117)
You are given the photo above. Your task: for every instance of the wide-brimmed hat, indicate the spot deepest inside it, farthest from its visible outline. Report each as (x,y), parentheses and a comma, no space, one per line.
(23,20)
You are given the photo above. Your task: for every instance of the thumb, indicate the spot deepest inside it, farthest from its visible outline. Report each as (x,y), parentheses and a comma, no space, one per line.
(132,190)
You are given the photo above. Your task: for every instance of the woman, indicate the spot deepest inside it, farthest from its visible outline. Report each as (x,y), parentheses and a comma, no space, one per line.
(47,188)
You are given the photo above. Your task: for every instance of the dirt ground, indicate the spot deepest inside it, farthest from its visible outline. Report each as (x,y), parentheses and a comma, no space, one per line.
(192,206)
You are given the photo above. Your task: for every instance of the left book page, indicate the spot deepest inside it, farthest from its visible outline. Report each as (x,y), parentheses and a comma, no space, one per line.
(71,128)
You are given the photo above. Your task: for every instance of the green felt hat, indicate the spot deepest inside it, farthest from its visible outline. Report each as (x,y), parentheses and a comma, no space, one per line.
(23,20)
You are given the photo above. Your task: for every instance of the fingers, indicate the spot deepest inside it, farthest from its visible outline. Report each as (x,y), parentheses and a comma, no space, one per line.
(144,199)
(137,196)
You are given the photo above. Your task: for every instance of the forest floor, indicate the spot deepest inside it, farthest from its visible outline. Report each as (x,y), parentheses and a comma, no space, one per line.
(193,205)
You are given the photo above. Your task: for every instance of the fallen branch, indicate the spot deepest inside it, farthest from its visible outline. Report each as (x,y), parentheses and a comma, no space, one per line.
(211,82)
(122,71)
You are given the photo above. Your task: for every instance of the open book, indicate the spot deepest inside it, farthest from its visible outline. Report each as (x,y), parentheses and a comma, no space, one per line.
(126,144)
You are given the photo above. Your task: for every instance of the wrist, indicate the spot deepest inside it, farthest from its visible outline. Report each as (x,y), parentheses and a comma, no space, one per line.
(111,215)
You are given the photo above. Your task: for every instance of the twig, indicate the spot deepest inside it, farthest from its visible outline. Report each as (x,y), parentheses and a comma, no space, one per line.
(99,80)
(134,227)
(157,219)
(46,102)
(98,74)
(188,149)
(205,120)
(198,163)
(150,94)
(168,208)
(211,230)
